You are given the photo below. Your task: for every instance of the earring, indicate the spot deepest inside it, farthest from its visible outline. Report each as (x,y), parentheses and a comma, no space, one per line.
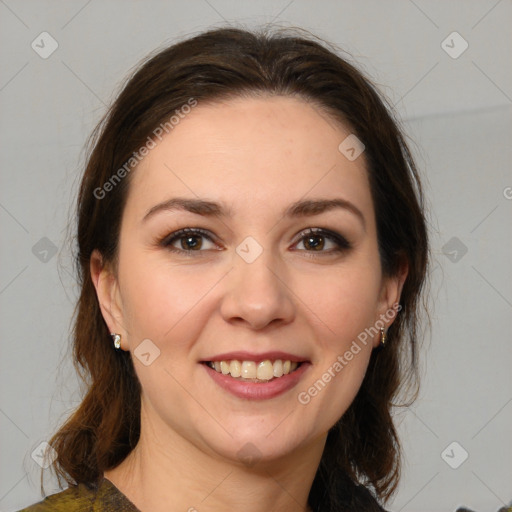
(117,339)
(383,336)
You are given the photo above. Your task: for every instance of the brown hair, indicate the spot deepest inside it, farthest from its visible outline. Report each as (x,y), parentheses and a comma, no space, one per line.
(363,446)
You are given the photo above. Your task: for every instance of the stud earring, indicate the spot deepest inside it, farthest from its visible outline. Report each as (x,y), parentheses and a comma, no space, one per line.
(383,336)
(117,339)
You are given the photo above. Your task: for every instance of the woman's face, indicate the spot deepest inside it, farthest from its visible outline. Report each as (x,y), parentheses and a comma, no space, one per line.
(256,279)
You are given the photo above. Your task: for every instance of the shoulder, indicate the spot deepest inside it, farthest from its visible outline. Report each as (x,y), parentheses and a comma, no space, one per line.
(338,492)
(76,498)
(102,497)
(356,496)
(365,500)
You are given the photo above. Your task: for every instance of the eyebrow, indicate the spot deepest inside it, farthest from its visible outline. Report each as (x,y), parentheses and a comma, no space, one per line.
(301,208)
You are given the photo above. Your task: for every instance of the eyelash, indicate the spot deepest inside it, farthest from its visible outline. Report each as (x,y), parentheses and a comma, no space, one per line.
(340,241)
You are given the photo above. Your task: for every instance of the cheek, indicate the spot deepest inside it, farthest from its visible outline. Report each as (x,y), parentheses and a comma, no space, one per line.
(160,301)
(342,302)
(340,305)
(170,306)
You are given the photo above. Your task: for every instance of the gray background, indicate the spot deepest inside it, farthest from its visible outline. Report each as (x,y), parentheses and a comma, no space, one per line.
(456,110)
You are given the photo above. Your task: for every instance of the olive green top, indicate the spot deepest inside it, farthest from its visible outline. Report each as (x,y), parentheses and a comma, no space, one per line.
(105,497)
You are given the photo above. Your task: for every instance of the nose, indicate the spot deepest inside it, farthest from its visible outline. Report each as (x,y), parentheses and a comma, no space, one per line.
(258,293)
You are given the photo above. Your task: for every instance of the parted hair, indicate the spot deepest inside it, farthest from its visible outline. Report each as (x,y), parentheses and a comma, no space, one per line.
(363,446)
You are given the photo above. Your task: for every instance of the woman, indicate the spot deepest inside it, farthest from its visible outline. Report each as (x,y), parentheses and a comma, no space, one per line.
(251,248)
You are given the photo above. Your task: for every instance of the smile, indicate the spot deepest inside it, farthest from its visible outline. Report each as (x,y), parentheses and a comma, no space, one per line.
(251,371)
(240,378)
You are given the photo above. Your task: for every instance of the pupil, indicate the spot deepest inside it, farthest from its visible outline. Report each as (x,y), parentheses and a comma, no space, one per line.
(190,244)
(318,244)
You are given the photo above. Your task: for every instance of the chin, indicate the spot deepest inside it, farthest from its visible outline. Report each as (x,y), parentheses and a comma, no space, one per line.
(255,444)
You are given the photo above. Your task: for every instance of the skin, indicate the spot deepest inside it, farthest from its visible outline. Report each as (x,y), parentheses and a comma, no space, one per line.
(255,156)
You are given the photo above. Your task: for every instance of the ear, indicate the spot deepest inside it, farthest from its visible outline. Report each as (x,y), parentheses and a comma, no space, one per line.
(389,298)
(107,291)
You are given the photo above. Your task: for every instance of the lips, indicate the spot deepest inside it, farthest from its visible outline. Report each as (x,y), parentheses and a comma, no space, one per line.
(256,389)
(256,375)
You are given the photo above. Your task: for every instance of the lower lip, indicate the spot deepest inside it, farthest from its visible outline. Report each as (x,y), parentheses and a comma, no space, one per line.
(258,390)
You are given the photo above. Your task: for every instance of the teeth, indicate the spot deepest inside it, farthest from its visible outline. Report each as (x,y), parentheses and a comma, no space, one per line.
(262,371)
(235,368)
(265,370)
(249,370)
(278,368)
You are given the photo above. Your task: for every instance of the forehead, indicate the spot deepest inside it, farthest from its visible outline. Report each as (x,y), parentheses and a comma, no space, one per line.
(251,153)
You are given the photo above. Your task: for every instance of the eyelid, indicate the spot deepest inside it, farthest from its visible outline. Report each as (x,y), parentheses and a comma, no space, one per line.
(176,235)
(342,244)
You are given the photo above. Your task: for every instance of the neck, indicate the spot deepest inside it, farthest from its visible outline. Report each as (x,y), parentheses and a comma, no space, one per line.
(176,476)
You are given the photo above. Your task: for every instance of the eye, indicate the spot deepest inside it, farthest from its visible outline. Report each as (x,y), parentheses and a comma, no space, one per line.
(188,240)
(314,240)
(317,239)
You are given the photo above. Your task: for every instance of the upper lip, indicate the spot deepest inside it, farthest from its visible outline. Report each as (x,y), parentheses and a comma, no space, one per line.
(242,355)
